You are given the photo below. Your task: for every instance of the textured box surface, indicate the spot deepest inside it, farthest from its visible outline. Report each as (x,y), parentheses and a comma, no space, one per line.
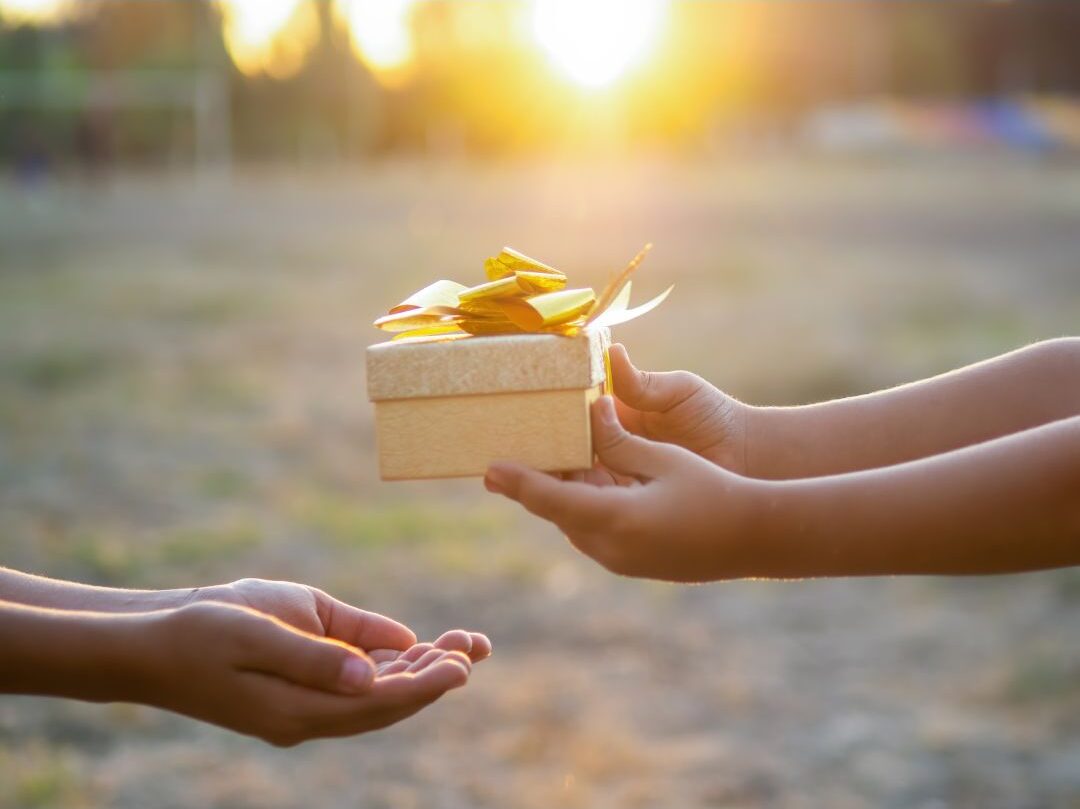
(447,409)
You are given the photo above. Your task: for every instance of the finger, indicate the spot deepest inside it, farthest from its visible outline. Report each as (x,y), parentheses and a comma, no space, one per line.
(393,667)
(313,714)
(400,697)
(653,391)
(631,418)
(273,647)
(600,475)
(623,452)
(456,640)
(481,647)
(415,651)
(450,671)
(363,629)
(571,505)
(426,660)
(381,656)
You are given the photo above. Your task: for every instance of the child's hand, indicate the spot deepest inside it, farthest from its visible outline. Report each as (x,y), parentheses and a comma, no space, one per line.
(243,670)
(678,407)
(649,509)
(313,611)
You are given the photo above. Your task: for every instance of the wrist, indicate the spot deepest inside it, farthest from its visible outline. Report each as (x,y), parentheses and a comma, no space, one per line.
(756,432)
(731,431)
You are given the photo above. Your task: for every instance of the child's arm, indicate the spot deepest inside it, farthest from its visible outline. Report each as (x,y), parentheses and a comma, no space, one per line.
(219,663)
(657,510)
(1033,386)
(299,605)
(39,591)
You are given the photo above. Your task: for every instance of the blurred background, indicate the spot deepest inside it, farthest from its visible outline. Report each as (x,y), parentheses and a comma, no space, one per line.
(203,206)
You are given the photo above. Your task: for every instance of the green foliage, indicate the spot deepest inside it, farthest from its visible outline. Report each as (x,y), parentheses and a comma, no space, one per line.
(223,483)
(59,369)
(35,775)
(355,523)
(195,546)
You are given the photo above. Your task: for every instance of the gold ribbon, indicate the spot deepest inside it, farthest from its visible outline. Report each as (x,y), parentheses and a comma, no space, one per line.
(521,296)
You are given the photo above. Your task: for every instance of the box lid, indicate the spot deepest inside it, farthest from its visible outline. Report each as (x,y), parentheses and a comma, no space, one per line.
(479,365)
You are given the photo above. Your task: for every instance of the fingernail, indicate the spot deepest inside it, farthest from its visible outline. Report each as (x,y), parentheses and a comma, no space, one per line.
(495,480)
(355,674)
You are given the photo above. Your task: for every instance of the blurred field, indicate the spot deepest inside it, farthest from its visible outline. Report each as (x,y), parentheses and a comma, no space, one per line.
(182,402)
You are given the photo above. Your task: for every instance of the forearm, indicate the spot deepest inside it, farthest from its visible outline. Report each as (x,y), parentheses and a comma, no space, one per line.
(1007,505)
(38,591)
(82,655)
(1017,391)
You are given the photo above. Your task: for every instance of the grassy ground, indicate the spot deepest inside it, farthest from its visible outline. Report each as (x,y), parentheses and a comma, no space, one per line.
(182,401)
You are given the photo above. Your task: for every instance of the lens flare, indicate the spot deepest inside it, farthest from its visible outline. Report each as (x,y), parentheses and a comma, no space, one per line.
(594,42)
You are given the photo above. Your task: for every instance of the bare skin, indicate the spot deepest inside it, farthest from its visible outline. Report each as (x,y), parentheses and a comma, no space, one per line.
(278,660)
(940,476)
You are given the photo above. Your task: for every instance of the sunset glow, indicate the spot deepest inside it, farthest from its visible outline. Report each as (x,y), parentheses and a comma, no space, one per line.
(380,31)
(594,42)
(32,10)
(271,36)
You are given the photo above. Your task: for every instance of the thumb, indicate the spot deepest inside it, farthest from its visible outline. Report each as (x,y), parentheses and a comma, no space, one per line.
(651,391)
(623,452)
(307,660)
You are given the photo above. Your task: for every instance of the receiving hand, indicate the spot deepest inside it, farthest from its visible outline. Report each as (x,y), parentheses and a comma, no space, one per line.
(678,407)
(253,673)
(648,508)
(313,611)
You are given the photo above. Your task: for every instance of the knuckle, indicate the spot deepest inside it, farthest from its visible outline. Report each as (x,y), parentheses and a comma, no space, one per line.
(646,383)
(685,379)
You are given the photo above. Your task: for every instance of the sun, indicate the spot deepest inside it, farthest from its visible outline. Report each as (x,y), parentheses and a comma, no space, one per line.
(32,10)
(380,31)
(594,42)
(272,36)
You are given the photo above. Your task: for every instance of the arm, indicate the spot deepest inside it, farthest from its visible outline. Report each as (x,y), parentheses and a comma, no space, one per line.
(38,591)
(223,664)
(1011,504)
(91,656)
(1035,385)
(657,510)
(298,605)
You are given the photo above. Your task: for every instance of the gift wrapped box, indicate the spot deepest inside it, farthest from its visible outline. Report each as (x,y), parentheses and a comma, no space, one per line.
(449,408)
(506,370)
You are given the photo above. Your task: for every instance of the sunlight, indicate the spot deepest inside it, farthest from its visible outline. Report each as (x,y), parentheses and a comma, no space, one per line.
(271,36)
(380,31)
(595,42)
(32,10)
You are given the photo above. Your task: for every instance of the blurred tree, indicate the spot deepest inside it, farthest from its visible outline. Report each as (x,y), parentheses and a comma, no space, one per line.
(749,67)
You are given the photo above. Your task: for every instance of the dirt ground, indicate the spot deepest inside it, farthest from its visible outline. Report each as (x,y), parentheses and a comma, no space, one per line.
(182,402)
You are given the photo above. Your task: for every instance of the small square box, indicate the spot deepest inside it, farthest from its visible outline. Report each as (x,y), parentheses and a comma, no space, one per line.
(448,408)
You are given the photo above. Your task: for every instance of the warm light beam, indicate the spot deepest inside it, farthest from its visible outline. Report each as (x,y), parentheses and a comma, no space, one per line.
(594,42)
(271,36)
(36,11)
(380,31)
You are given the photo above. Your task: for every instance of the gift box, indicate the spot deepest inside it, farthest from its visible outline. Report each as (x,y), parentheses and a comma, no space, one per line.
(449,408)
(505,370)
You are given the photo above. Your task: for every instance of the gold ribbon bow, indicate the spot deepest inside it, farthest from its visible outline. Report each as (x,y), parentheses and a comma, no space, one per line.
(521,296)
